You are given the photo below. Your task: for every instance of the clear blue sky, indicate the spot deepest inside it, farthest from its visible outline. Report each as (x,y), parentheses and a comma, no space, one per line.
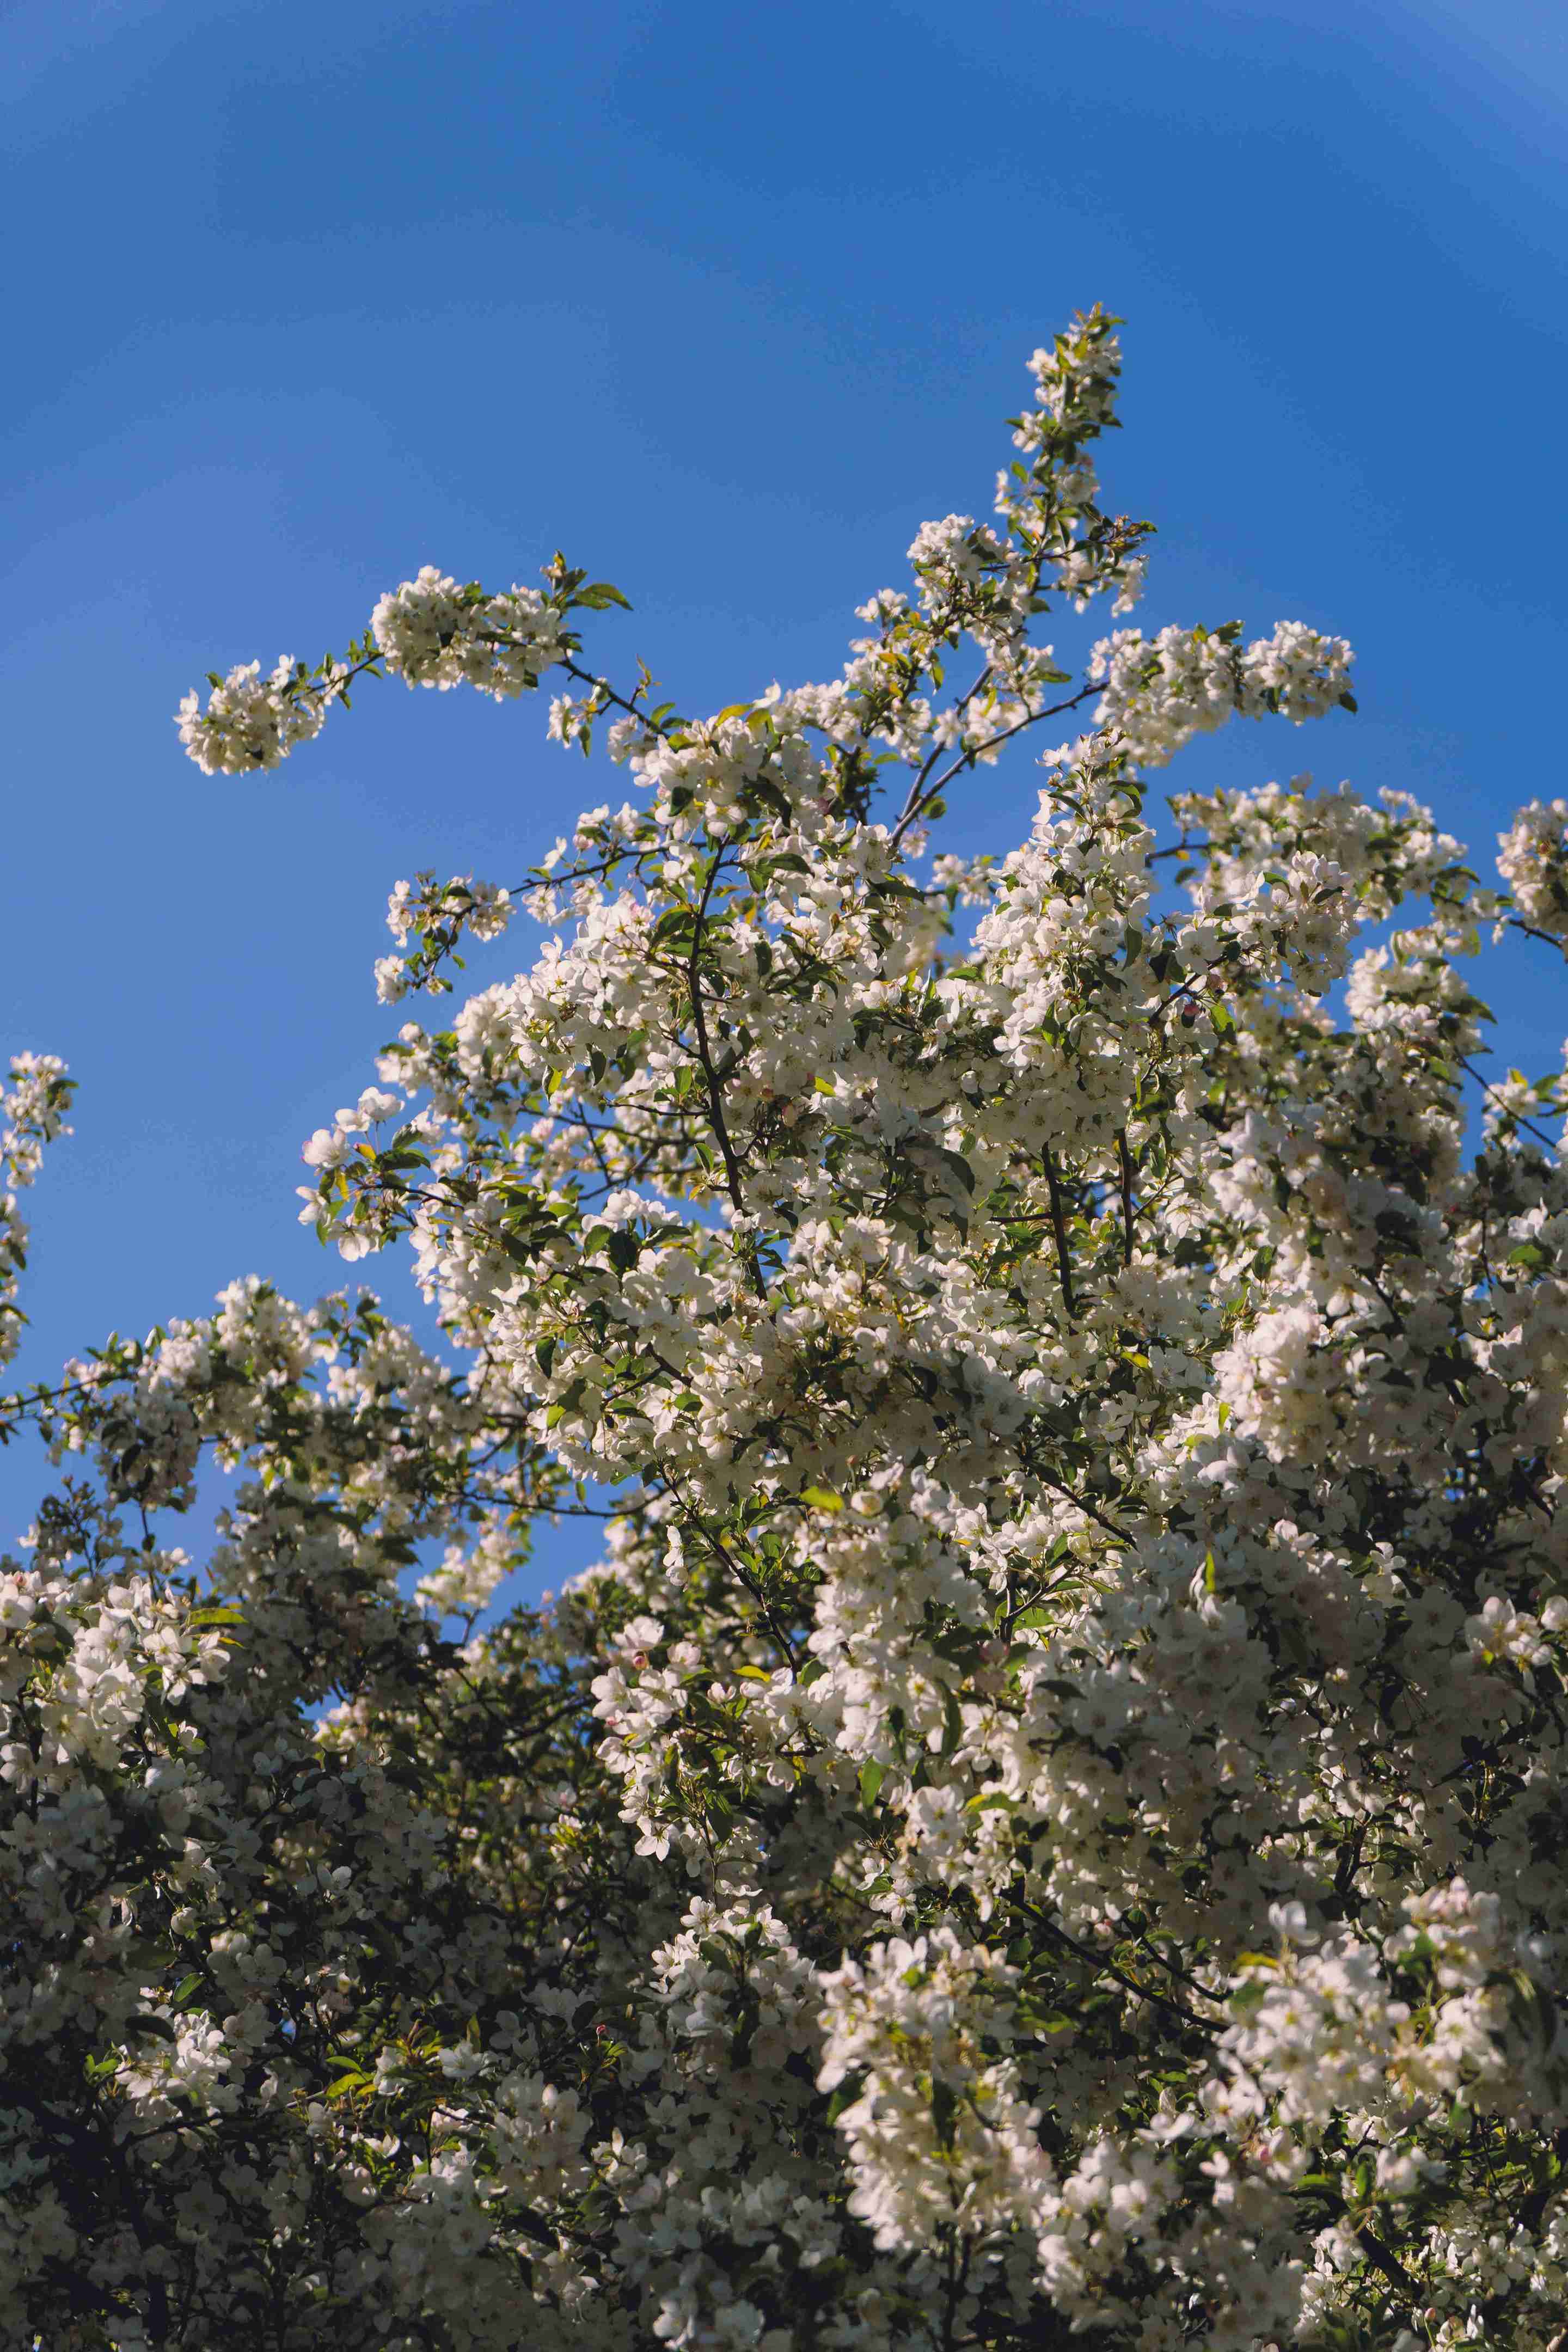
(723,300)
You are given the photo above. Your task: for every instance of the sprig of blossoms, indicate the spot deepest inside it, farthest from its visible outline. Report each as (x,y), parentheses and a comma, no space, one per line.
(436,913)
(249,722)
(1160,692)
(33,1109)
(1532,859)
(434,632)
(431,630)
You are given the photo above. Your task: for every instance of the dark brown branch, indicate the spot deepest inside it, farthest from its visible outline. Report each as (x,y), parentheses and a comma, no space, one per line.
(1058,1227)
(1124,1162)
(1518,923)
(722,1551)
(1389,2264)
(1105,1966)
(715,1083)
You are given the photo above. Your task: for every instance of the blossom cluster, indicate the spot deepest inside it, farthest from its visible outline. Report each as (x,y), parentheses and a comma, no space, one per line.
(433,632)
(249,722)
(1162,691)
(1532,859)
(32,1114)
(1045,1819)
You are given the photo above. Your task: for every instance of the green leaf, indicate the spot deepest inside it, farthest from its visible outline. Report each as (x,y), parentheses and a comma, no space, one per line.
(676,922)
(844,2095)
(957,1167)
(943,2109)
(871,1779)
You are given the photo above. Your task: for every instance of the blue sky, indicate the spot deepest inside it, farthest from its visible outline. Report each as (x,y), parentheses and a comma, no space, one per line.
(723,301)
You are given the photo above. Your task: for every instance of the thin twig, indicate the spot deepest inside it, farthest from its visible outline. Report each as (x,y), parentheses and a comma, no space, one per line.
(921,793)
(602,685)
(1518,1116)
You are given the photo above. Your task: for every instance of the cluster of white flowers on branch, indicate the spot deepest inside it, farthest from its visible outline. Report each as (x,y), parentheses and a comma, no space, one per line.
(1162,692)
(32,1114)
(432,631)
(1046,1817)
(1532,859)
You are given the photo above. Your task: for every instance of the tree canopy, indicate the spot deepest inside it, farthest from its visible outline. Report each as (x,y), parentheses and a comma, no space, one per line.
(1048,1816)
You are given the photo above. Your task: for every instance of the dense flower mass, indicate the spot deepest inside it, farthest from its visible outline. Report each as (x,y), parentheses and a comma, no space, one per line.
(1046,1819)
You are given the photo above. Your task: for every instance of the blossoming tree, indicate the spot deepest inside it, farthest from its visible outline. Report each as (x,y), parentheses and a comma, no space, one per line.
(1048,1815)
